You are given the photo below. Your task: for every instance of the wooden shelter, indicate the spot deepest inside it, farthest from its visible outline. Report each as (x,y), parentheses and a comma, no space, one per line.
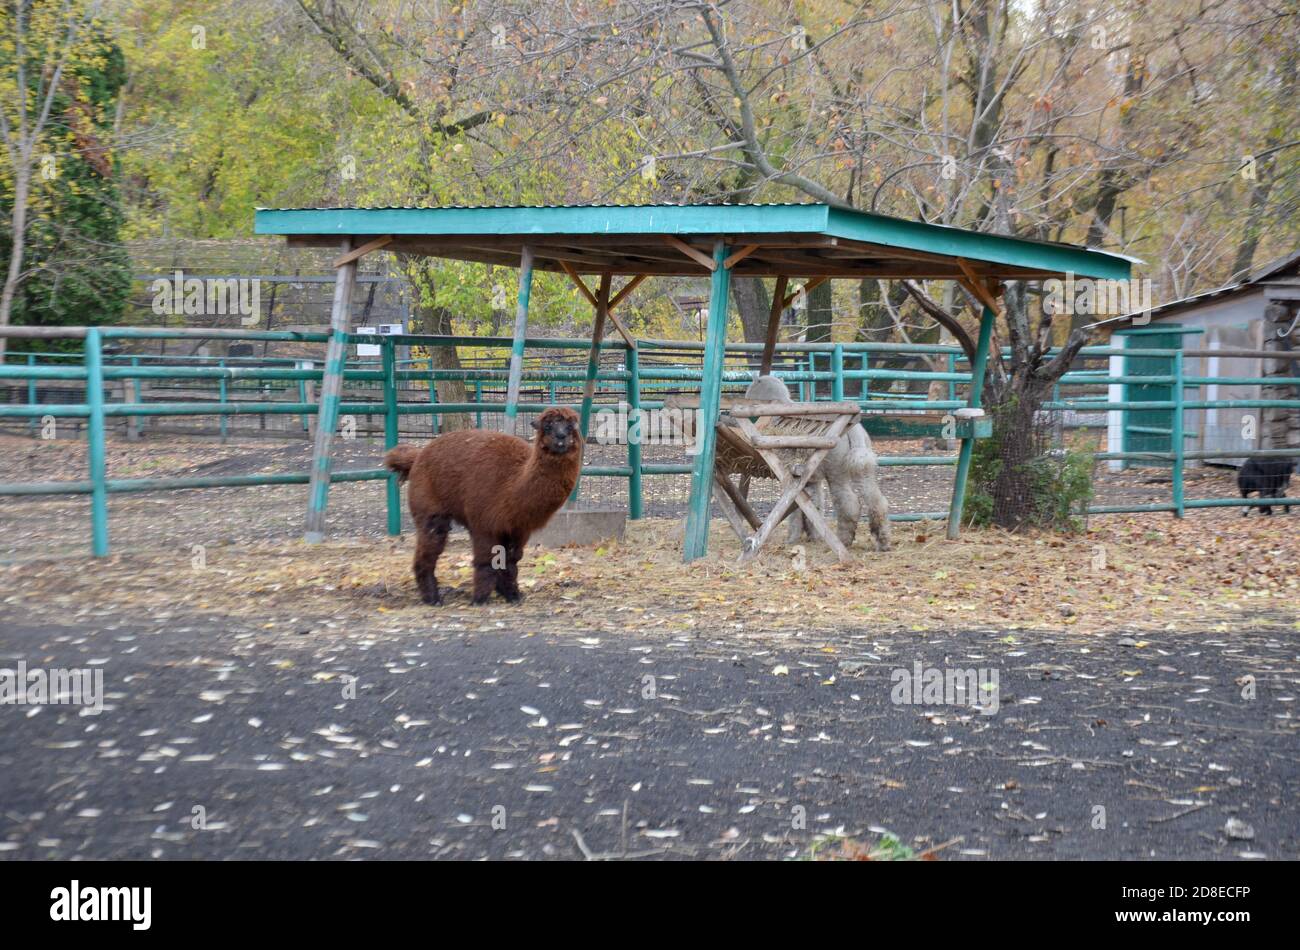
(813,241)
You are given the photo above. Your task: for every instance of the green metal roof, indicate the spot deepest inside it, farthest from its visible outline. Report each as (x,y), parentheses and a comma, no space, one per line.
(798,240)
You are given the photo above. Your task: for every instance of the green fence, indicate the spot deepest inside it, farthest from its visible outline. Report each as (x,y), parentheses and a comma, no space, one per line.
(644,375)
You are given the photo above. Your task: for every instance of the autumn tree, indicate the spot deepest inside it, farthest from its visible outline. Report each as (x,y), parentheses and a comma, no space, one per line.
(59,78)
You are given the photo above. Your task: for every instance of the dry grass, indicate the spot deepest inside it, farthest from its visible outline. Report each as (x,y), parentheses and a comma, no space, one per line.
(1145,572)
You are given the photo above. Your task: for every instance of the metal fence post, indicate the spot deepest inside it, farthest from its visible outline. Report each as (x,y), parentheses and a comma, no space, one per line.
(31,393)
(390,434)
(302,394)
(1177,431)
(434,416)
(94,361)
(635,503)
(221,388)
(135,424)
(837,367)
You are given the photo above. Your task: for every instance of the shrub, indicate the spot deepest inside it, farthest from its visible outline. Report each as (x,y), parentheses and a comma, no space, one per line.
(1016,481)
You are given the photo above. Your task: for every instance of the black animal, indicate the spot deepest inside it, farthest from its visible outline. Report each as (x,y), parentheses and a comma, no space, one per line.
(1269,477)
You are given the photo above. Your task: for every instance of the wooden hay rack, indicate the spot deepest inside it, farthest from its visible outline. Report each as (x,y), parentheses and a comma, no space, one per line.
(784,441)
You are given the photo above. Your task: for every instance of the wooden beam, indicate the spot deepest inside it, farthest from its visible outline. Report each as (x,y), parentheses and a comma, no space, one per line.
(974,282)
(774,324)
(630,286)
(363,250)
(792,442)
(738,408)
(815,282)
(580,284)
(728,509)
(622,330)
(737,499)
(698,256)
(740,255)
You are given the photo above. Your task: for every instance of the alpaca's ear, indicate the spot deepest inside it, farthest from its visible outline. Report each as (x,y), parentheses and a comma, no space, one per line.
(536,424)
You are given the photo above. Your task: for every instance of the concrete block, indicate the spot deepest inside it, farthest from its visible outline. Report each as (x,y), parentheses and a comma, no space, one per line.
(586,526)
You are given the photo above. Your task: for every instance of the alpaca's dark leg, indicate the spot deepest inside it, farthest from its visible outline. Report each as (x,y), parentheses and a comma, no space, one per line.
(485,575)
(1245,511)
(429,543)
(508,577)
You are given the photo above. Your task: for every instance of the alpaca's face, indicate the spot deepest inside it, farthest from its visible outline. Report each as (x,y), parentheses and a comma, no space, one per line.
(558,431)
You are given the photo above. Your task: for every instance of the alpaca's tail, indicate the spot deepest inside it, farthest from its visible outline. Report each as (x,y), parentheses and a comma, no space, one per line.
(399,459)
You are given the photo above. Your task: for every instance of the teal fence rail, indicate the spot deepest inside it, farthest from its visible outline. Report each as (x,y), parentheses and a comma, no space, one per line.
(638,383)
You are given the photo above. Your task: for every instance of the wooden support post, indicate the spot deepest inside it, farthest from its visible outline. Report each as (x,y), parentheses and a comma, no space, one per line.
(521,329)
(773,325)
(327,417)
(715,341)
(968,443)
(593,361)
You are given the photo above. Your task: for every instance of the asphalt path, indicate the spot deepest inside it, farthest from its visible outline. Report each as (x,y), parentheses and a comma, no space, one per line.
(228,741)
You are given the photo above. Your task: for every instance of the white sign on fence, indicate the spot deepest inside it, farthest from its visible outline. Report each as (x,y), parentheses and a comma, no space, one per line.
(373,349)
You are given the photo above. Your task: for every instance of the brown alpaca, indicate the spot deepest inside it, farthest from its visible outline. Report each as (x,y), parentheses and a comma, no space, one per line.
(499,486)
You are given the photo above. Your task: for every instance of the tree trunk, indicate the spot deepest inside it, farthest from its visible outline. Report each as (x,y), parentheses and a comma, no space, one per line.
(436,321)
(22,183)
(820,316)
(1014,405)
(755,306)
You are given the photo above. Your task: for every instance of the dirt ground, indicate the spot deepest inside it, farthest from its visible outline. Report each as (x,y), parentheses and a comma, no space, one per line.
(239,550)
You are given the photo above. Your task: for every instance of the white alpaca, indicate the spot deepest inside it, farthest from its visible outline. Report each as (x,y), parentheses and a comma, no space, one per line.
(849,470)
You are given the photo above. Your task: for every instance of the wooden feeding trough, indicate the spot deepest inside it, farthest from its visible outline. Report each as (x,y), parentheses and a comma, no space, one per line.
(780,440)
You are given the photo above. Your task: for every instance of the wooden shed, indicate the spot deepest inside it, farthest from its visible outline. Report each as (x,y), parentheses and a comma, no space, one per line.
(1223,333)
